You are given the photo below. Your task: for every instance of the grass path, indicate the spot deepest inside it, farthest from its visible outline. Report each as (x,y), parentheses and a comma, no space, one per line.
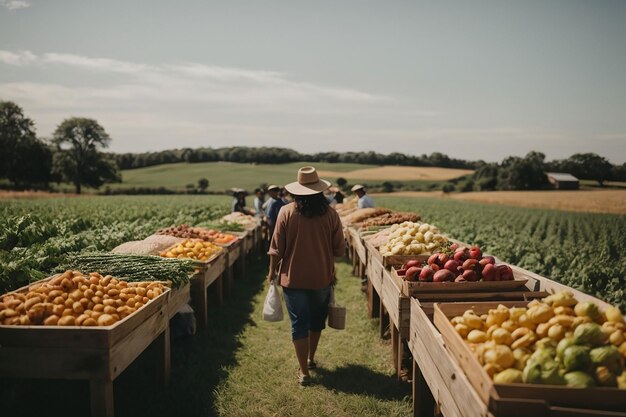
(354,375)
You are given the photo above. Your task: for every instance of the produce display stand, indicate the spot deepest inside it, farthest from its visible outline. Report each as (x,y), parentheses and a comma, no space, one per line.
(439,381)
(211,275)
(374,281)
(96,354)
(359,253)
(233,254)
(397,303)
(542,396)
(178,298)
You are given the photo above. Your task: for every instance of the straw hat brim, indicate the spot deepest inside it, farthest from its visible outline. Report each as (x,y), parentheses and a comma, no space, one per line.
(296,188)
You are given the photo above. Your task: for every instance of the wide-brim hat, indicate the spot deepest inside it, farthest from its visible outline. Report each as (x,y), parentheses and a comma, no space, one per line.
(308,183)
(273,187)
(357,188)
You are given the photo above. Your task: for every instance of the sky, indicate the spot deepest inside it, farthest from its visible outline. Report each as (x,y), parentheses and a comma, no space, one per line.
(472,79)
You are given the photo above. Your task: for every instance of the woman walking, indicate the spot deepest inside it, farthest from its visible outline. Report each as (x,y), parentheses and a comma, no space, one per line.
(307,237)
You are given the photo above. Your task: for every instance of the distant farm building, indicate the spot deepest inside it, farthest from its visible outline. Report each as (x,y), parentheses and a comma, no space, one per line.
(563,181)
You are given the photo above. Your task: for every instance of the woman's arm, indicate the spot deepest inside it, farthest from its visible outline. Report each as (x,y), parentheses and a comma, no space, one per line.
(274,262)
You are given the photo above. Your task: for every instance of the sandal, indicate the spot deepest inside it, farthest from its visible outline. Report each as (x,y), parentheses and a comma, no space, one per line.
(311,364)
(303,379)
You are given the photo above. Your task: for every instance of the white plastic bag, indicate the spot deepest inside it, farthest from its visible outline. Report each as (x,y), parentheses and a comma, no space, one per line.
(273,306)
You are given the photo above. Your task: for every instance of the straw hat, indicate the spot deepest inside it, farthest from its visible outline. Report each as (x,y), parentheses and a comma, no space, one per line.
(273,187)
(357,188)
(308,183)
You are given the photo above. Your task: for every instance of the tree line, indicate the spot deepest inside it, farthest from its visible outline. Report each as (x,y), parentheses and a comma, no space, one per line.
(75,154)
(274,155)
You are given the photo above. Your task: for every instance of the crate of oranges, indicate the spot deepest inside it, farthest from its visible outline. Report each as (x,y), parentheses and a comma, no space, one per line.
(196,249)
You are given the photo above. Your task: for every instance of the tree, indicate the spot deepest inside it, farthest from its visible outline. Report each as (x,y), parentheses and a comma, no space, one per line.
(590,166)
(77,159)
(24,160)
(387,187)
(203,184)
(341,182)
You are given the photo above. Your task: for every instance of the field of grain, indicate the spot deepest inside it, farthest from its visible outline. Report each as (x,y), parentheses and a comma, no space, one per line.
(397,173)
(227,175)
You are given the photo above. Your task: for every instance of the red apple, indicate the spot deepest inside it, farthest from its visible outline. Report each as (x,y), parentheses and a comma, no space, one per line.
(426,274)
(411,263)
(443,258)
(412,273)
(401,272)
(454,246)
(470,264)
(489,272)
(460,255)
(487,260)
(452,266)
(470,275)
(435,267)
(506,273)
(460,278)
(475,253)
(433,259)
(443,275)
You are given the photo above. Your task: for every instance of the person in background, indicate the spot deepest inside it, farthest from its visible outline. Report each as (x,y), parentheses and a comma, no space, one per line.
(330,196)
(239,202)
(285,196)
(307,238)
(274,204)
(338,195)
(258,203)
(365,201)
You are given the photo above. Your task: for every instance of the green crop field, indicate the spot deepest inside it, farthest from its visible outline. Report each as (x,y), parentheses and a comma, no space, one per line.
(227,175)
(585,251)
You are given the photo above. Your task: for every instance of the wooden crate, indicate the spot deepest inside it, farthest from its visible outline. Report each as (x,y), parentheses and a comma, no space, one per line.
(178,298)
(97,354)
(450,387)
(396,304)
(589,398)
(391,260)
(374,268)
(211,275)
(359,247)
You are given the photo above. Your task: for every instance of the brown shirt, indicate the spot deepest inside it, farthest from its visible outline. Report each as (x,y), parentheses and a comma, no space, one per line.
(307,247)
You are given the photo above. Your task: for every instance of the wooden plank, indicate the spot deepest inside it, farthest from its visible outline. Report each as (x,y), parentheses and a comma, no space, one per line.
(178,298)
(482,296)
(423,403)
(101,397)
(391,260)
(128,349)
(163,363)
(424,333)
(53,362)
(391,299)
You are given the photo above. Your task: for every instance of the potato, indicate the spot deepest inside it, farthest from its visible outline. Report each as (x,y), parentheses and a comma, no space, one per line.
(68,312)
(84,301)
(110,310)
(94,280)
(98,308)
(89,294)
(90,322)
(67,321)
(80,319)
(78,307)
(97,300)
(58,309)
(108,302)
(113,292)
(24,321)
(76,295)
(36,313)
(105,320)
(51,321)
(67,285)
(59,300)
(106,280)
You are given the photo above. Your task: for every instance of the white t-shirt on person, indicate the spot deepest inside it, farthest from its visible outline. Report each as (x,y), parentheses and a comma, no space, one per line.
(365,202)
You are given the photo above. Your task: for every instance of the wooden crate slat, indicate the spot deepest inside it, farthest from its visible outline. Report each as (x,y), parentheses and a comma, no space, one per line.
(451,373)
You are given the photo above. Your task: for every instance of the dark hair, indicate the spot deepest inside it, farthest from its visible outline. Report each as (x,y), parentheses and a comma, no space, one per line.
(311,205)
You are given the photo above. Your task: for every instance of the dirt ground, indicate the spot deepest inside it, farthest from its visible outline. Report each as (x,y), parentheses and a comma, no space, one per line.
(5,194)
(591,201)
(396,173)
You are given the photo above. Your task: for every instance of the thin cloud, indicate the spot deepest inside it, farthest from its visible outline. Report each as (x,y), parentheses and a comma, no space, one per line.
(17,58)
(15,4)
